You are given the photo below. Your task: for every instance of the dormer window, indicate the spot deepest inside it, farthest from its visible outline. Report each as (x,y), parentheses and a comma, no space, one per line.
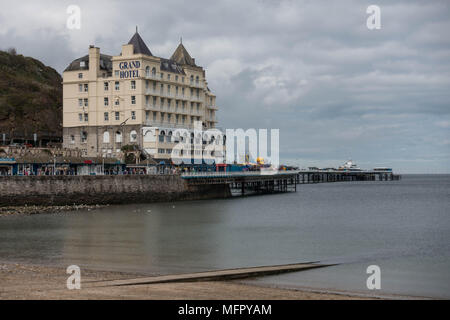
(82,64)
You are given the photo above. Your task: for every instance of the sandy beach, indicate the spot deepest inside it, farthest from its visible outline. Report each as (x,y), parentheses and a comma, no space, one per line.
(21,281)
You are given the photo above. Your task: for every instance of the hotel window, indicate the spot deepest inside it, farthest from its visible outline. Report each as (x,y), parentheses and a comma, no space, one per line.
(184,105)
(168,89)
(177,118)
(153,71)
(80,87)
(161,90)
(86,117)
(169,102)
(133,99)
(147,115)
(162,75)
(106,101)
(147,71)
(162,102)
(118,137)
(154,86)
(154,115)
(133,136)
(117,115)
(106,86)
(182,92)
(133,85)
(106,115)
(83,136)
(160,150)
(192,79)
(169,116)
(80,76)
(192,107)
(168,77)
(86,87)
(198,107)
(146,84)
(117,86)
(80,116)
(162,116)
(168,151)
(117,102)
(192,92)
(133,115)
(176,105)
(196,79)
(183,119)
(176,90)
(80,102)
(86,102)
(72,139)
(116,73)
(176,78)
(182,79)
(106,137)
(82,64)
(154,101)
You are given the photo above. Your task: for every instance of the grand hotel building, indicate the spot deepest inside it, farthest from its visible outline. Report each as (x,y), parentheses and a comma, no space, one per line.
(135,98)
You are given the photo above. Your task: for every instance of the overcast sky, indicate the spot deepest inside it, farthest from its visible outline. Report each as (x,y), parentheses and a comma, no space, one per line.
(334,88)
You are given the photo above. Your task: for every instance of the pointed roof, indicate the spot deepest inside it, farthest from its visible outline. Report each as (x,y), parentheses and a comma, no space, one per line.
(139,45)
(181,56)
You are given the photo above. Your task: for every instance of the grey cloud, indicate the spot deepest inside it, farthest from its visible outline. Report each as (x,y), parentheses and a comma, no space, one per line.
(311,69)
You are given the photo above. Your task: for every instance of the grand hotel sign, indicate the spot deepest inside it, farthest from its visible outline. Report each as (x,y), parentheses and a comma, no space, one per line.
(129,69)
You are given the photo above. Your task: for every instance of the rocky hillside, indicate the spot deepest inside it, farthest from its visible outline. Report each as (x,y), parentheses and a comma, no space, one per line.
(30,97)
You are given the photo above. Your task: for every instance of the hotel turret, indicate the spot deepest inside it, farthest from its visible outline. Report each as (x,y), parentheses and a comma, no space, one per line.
(135,98)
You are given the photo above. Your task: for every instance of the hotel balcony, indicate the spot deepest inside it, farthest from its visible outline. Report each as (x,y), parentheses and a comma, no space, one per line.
(166,124)
(212,119)
(152,76)
(150,91)
(195,98)
(196,85)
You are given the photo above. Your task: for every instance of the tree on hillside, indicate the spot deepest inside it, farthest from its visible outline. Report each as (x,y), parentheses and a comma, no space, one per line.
(12,51)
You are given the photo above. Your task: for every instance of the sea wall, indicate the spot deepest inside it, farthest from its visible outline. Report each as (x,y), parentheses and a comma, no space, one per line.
(119,189)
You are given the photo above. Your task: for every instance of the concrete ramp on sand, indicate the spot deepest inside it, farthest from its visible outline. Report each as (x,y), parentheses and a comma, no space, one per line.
(216,275)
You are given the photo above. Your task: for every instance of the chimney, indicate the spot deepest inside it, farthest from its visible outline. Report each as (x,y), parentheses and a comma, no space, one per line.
(127,50)
(94,62)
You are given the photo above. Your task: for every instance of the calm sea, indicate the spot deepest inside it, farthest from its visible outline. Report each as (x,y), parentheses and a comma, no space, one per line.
(401,226)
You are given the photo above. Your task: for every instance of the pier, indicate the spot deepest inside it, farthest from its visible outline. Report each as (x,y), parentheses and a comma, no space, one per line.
(282,181)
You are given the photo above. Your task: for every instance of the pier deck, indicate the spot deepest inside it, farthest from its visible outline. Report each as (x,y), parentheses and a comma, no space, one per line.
(283,181)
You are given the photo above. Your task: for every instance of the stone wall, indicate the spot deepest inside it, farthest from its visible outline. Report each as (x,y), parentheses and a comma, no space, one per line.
(67,190)
(94,145)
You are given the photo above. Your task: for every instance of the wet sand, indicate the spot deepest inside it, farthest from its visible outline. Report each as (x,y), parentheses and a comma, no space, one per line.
(20,281)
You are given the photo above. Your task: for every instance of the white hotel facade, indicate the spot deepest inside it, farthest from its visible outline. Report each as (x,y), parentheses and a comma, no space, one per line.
(137,99)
